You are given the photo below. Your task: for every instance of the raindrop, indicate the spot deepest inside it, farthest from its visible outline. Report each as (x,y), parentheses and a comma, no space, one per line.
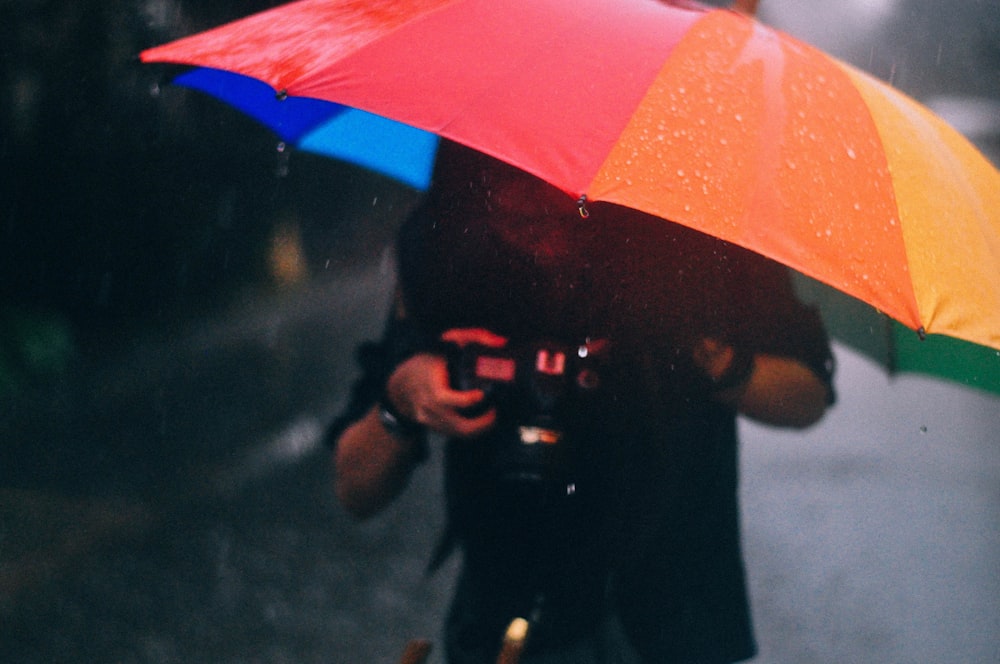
(851,153)
(923,428)
(281,168)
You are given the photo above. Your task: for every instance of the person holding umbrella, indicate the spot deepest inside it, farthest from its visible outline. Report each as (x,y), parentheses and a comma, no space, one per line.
(584,368)
(586,373)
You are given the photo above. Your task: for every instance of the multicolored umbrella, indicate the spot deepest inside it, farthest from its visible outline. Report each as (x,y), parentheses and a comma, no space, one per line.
(705,117)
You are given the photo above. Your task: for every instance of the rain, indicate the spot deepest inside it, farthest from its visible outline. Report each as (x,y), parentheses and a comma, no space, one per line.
(181,299)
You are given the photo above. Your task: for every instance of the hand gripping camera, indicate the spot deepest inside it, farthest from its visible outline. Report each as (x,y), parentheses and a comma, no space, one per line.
(541,392)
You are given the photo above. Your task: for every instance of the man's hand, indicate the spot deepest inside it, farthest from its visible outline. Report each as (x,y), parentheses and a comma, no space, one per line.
(420,389)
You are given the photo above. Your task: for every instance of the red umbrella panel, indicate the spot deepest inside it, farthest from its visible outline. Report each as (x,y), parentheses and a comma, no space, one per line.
(705,117)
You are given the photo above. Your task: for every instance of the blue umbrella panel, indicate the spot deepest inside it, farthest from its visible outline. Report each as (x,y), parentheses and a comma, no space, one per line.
(396,150)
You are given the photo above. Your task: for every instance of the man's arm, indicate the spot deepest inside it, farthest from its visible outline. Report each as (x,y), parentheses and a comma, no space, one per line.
(372,465)
(783,392)
(373,461)
(778,390)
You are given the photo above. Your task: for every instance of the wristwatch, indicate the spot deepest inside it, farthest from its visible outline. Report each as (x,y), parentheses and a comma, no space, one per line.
(737,373)
(395,422)
(400,426)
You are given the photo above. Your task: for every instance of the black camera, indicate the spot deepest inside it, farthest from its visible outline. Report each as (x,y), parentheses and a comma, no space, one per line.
(541,392)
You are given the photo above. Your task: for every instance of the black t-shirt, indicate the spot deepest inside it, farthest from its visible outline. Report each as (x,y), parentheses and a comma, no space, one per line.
(645,519)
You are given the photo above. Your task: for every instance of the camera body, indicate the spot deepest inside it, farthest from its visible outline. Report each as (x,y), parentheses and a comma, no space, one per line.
(540,392)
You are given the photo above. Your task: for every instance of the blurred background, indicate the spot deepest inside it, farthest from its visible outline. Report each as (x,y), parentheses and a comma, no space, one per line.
(179,304)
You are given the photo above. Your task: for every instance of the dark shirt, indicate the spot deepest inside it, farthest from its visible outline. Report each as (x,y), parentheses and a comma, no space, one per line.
(643,518)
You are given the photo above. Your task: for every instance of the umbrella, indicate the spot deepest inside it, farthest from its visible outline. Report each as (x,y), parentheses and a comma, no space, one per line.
(698,115)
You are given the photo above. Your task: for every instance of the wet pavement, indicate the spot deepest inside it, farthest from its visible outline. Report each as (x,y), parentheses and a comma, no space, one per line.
(173,504)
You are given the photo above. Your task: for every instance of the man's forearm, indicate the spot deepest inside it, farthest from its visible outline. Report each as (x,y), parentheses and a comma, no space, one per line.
(371,465)
(782,392)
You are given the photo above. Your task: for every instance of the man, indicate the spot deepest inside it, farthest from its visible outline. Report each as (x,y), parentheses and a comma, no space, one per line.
(603,508)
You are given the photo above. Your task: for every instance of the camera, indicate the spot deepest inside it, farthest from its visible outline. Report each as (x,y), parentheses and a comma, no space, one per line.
(541,392)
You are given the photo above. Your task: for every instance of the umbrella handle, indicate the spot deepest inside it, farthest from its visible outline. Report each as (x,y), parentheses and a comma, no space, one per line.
(514,640)
(748,7)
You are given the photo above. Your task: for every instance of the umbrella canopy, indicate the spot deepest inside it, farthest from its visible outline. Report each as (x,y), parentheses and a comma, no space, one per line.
(705,117)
